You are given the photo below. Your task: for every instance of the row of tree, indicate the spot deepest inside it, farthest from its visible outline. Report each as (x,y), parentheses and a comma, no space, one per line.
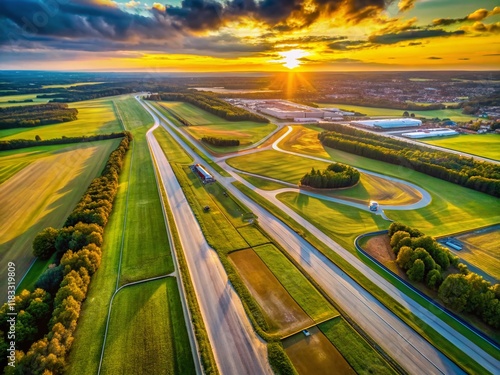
(378,102)
(477,175)
(336,175)
(220,142)
(424,260)
(80,93)
(78,246)
(212,104)
(23,143)
(36,115)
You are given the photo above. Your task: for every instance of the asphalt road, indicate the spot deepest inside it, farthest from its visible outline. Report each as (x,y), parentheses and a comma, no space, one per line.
(237,349)
(414,353)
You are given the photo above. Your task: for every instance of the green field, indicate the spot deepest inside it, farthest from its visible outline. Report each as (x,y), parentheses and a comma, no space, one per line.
(486,145)
(4,100)
(358,353)
(209,125)
(262,183)
(43,193)
(174,153)
(452,208)
(70,85)
(301,290)
(147,333)
(94,117)
(453,114)
(291,168)
(340,222)
(145,244)
(482,250)
(146,251)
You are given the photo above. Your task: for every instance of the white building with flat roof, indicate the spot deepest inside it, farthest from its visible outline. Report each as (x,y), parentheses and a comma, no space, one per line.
(428,133)
(389,123)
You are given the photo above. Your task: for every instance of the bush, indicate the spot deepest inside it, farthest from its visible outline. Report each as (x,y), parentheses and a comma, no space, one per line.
(336,175)
(44,243)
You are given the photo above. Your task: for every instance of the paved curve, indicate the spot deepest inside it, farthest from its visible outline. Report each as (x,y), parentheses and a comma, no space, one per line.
(394,336)
(237,348)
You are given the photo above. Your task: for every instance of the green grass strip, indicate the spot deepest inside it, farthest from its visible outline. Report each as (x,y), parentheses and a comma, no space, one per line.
(301,290)
(357,352)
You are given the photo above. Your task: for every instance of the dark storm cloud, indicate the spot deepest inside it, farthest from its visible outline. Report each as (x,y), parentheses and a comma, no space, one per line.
(464,58)
(347,45)
(393,38)
(477,15)
(434,58)
(283,15)
(76,20)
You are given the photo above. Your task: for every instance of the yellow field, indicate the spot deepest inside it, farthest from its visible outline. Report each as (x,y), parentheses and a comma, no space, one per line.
(483,251)
(315,354)
(94,117)
(43,194)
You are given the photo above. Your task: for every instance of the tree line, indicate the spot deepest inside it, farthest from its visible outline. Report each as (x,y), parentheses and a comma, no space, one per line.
(219,142)
(36,115)
(425,260)
(23,143)
(212,104)
(336,175)
(478,175)
(376,102)
(78,251)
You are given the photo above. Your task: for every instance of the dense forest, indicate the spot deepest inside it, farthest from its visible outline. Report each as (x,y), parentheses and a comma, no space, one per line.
(219,142)
(477,175)
(48,316)
(336,175)
(425,260)
(212,104)
(36,115)
(23,143)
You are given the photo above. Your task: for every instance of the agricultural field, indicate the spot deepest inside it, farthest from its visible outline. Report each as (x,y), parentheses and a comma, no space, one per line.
(124,232)
(301,290)
(209,125)
(94,117)
(4,100)
(340,222)
(482,250)
(146,251)
(262,183)
(315,354)
(358,353)
(485,145)
(70,85)
(43,193)
(139,310)
(452,207)
(453,114)
(283,314)
(291,168)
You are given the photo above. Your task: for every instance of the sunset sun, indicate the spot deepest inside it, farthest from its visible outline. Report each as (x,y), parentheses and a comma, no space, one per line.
(291,59)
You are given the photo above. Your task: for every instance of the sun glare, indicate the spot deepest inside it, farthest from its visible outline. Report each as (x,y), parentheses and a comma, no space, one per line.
(291,59)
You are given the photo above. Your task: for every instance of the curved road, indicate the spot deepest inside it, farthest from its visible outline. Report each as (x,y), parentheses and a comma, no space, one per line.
(414,353)
(237,348)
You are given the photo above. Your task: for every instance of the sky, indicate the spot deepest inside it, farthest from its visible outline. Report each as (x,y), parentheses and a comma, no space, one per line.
(249,35)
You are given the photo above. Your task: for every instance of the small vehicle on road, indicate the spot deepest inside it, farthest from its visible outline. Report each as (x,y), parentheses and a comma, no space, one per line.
(373,206)
(306,333)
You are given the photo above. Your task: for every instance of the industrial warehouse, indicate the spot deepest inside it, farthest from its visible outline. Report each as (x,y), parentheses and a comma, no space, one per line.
(428,133)
(286,110)
(388,123)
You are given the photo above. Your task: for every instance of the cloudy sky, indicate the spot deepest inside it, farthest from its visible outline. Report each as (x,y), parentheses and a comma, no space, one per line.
(249,35)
